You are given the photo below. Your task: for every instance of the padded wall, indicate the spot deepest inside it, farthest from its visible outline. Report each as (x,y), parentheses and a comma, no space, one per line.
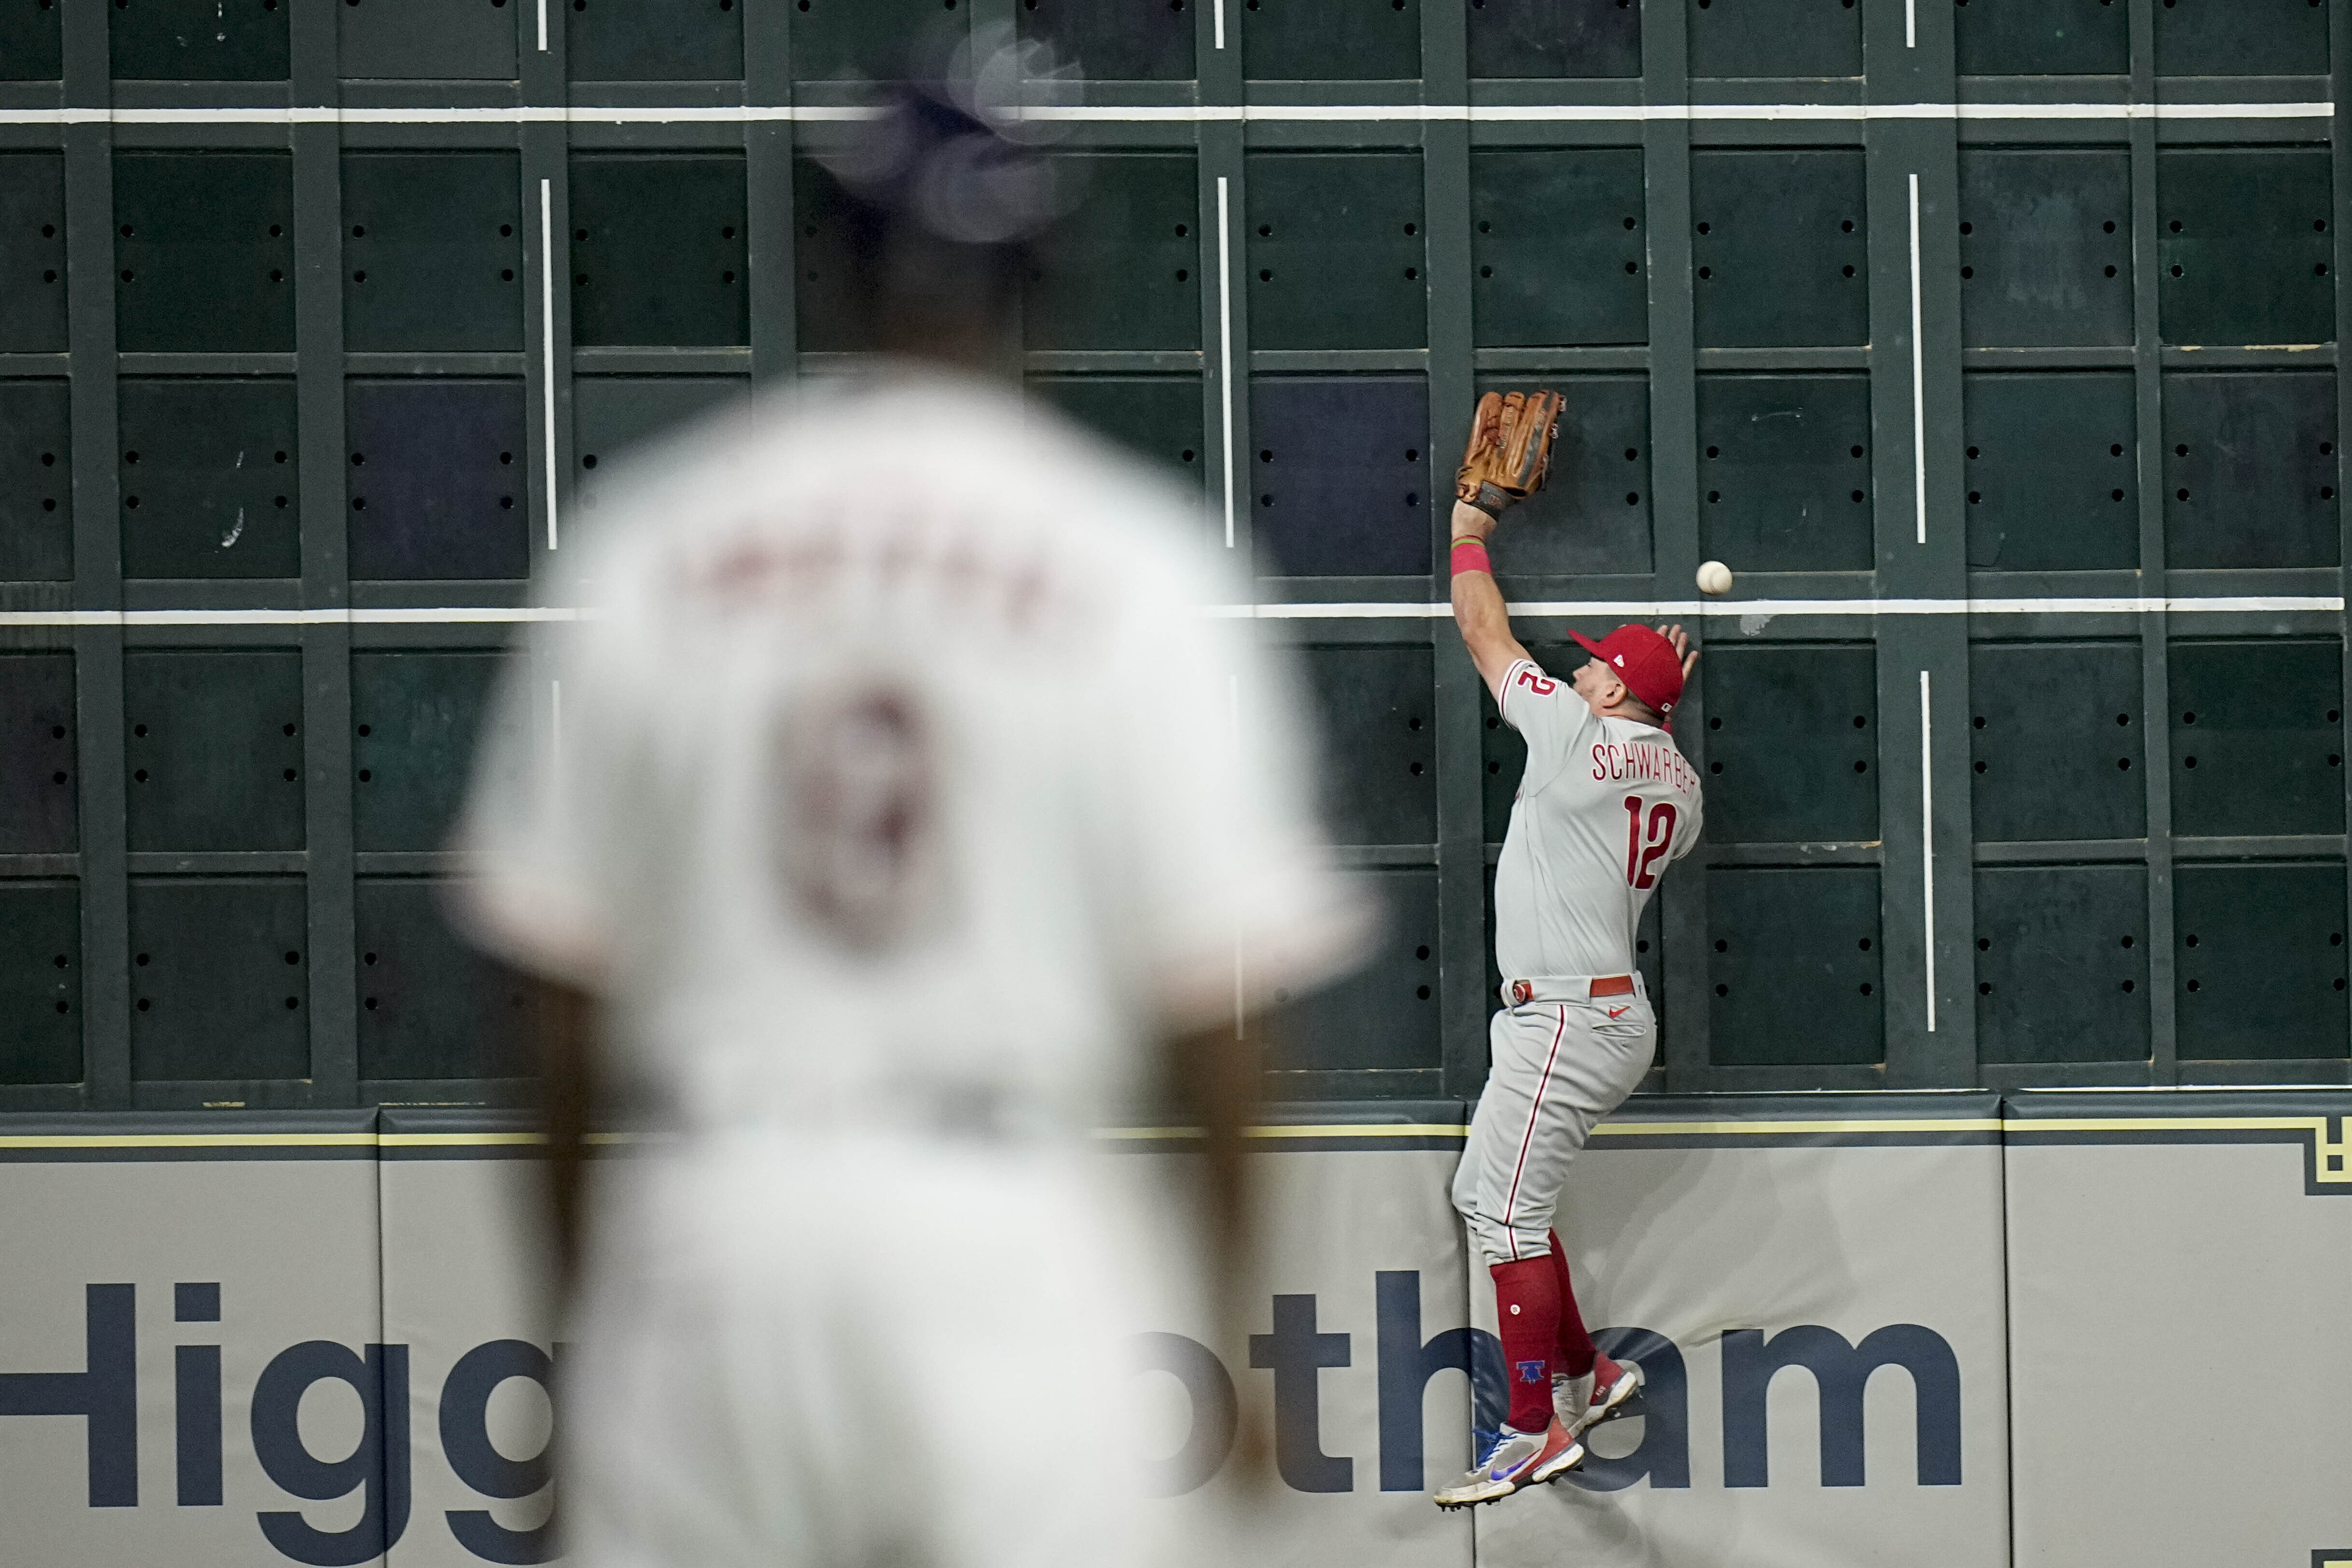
(1819,1309)
(215,1299)
(2213,1220)
(466,1288)
(1916,1331)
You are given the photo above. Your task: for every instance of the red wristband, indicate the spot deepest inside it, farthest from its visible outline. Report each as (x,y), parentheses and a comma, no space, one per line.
(1470,555)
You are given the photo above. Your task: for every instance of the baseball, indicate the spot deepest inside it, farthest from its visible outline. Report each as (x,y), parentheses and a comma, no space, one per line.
(1714,579)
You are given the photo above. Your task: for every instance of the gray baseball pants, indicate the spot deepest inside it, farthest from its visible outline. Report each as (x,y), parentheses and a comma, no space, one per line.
(1560,1062)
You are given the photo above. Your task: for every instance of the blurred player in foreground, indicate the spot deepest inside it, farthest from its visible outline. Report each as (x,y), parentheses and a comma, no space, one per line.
(1606,803)
(909,821)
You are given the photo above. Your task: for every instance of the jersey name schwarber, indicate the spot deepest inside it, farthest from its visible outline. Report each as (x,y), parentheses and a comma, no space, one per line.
(1614,762)
(1604,807)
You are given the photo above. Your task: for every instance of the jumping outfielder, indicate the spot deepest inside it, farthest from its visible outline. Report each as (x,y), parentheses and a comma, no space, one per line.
(908,820)
(1606,803)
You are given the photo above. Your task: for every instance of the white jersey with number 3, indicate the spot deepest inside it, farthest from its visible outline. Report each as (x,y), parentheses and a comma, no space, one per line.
(1605,805)
(905,795)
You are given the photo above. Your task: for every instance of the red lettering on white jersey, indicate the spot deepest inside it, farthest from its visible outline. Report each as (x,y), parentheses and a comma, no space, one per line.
(1643,760)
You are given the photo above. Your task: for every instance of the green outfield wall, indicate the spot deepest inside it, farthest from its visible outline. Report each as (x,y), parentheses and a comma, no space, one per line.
(1994,345)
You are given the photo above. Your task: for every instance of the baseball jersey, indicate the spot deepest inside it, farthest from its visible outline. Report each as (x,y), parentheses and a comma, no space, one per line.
(902,777)
(1604,806)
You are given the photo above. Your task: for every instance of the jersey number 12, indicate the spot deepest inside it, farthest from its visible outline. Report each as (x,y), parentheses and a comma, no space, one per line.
(1643,854)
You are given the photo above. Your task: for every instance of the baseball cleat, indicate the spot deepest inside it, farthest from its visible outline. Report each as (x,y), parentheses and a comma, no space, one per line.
(1518,1459)
(1580,1404)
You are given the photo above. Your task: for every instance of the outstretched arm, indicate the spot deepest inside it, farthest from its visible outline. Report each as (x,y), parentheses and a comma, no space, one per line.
(1479,613)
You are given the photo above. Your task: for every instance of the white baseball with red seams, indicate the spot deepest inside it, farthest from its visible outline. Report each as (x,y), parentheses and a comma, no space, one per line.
(1604,806)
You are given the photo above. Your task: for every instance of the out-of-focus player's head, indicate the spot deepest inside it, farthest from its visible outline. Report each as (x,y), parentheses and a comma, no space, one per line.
(1633,661)
(937,203)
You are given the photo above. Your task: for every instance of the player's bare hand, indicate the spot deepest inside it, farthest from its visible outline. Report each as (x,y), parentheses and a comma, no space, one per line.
(1470,523)
(1682,649)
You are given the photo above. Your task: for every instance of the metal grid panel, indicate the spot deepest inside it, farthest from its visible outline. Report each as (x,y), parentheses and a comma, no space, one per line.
(2021,564)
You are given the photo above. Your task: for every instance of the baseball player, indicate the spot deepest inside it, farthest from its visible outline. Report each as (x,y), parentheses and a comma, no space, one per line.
(909,821)
(1605,805)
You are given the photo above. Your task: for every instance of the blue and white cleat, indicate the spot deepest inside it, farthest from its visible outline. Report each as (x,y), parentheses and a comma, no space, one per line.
(1518,1459)
(1580,1404)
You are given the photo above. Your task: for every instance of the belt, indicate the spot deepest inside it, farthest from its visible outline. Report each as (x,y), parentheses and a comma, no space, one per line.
(1567,989)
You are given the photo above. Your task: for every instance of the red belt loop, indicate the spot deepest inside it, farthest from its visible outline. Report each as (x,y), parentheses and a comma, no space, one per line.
(1613,986)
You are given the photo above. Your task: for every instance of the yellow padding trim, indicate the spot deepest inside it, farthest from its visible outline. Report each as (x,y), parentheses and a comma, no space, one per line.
(2323,1148)
(1367,1130)
(1617,1129)
(190,1141)
(2317,1126)
(284,1140)
(2165,1124)
(1324,1130)
(1792,1129)
(490,1140)
(459,1140)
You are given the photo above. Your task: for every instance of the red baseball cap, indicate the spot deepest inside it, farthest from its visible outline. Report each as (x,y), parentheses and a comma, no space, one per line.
(1644,661)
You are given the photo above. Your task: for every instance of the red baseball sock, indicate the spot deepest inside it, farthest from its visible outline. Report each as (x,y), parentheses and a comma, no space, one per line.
(1526,1305)
(1576,1352)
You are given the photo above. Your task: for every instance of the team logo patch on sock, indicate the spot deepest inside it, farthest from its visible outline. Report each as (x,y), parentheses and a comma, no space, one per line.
(1532,1372)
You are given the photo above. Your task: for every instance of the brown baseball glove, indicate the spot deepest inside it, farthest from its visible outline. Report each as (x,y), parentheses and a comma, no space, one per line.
(1509,451)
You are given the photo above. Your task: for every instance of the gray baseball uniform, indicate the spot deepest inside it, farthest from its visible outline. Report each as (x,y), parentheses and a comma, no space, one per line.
(1604,806)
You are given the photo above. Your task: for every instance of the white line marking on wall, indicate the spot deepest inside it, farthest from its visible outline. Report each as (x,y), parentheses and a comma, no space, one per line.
(547,340)
(1185,114)
(1919,377)
(1225,340)
(464,614)
(1762,609)
(1927,836)
(1910,24)
(1221,24)
(542,25)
